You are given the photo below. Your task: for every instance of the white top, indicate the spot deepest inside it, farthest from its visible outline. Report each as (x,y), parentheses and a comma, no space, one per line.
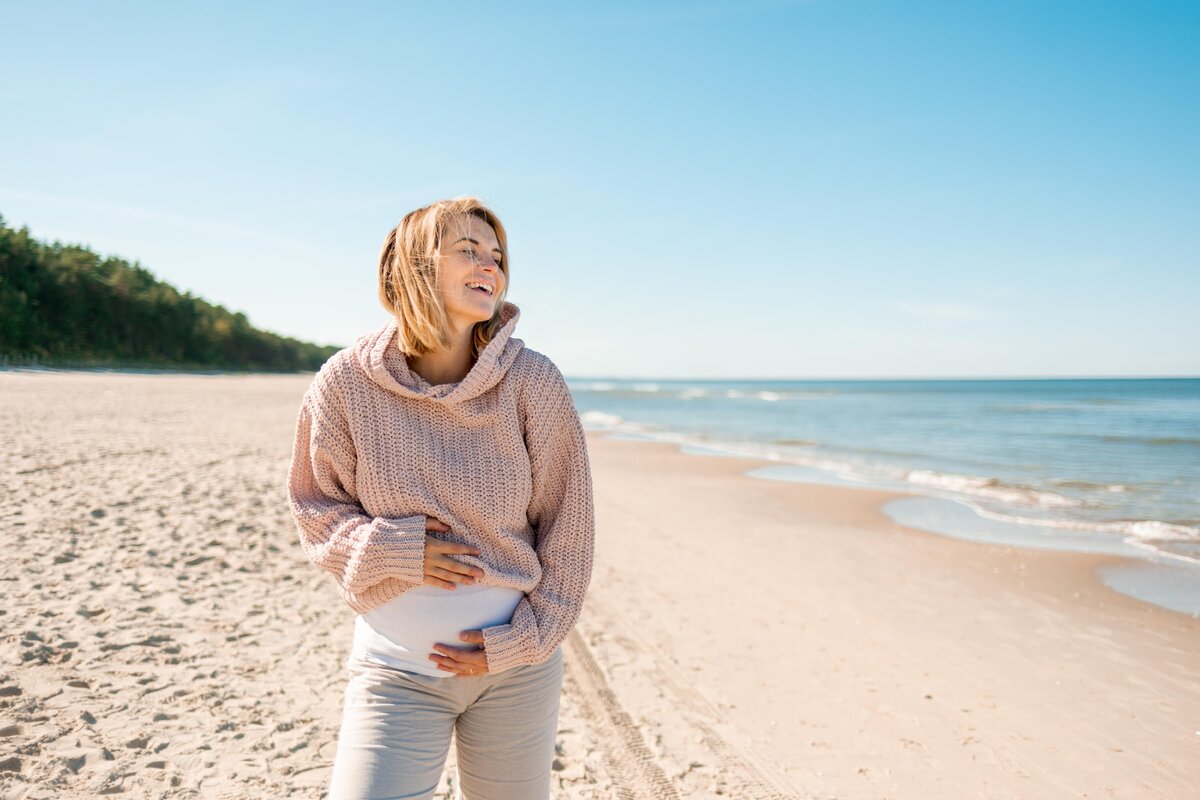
(401,632)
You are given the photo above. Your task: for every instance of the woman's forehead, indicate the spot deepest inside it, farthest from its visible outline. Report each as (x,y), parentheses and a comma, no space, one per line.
(472,226)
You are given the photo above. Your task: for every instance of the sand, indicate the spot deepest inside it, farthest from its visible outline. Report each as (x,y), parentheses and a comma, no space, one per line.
(164,636)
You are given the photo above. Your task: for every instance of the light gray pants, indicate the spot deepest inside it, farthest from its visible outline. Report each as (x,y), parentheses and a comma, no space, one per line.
(396,731)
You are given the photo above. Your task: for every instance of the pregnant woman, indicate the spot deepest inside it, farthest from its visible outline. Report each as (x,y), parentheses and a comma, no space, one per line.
(440,474)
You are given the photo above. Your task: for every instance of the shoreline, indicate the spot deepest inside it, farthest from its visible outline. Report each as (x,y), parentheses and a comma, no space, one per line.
(944,666)
(883,498)
(1099,461)
(1146,568)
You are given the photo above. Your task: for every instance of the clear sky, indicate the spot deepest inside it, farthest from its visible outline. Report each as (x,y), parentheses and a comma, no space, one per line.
(838,188)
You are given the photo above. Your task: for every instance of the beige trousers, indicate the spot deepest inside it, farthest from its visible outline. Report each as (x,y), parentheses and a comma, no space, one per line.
(396,731)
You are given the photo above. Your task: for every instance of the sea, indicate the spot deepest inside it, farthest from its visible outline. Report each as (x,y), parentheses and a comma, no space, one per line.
(1095,465)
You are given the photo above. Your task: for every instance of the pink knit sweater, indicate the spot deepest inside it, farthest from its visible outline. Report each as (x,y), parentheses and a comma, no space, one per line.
(500,457)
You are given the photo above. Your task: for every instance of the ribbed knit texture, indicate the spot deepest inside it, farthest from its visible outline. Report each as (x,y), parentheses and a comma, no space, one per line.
(500,457)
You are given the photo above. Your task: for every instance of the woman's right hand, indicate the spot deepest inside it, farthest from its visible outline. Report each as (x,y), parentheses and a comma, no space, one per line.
(440,569)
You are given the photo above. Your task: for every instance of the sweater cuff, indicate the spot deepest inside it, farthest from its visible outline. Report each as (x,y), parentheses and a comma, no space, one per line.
(504,648)
(402,550)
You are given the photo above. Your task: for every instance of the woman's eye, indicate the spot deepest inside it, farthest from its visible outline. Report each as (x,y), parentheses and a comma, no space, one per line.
(471,255)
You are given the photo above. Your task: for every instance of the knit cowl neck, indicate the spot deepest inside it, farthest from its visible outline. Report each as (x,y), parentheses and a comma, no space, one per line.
(380,357)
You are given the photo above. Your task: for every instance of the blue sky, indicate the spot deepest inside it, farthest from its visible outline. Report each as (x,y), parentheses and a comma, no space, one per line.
(712,190)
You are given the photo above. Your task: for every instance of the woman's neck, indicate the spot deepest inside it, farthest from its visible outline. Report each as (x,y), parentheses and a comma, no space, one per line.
(450,365)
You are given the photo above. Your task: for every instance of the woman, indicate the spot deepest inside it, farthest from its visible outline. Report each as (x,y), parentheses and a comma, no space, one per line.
(440,474)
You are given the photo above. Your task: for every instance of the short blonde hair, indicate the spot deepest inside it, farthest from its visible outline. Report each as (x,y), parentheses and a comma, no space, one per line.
(408,275)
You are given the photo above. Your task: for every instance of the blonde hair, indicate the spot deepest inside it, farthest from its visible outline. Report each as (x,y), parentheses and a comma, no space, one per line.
(408,276)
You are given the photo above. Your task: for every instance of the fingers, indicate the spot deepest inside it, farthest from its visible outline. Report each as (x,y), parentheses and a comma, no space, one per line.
(437,563)
(450,548)
(457,567)
(450,575)
(441,568)
(432,581)
(459,660)
(442,547)
(439,560)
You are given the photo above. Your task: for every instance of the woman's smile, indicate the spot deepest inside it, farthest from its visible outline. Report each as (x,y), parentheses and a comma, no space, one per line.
(472,261)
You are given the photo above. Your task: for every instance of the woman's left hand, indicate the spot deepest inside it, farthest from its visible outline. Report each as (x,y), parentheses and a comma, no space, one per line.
(462,660)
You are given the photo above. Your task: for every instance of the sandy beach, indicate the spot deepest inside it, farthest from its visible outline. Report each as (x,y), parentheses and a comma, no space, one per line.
(164,635)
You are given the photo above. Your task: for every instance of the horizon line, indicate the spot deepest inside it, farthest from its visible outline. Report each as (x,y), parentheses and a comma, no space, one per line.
(905,378)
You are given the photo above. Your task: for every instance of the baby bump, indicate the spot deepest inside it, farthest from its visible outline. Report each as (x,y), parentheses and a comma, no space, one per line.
(402,631)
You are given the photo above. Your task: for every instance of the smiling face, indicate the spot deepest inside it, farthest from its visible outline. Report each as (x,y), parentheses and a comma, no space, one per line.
(469,257)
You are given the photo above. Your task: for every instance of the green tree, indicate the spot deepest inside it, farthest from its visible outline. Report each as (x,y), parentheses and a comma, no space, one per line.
(65,305)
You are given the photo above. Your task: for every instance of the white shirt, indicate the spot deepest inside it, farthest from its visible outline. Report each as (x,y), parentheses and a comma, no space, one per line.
(401,632)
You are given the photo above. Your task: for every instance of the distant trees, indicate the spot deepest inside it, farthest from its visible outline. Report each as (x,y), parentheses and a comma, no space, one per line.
(64,305)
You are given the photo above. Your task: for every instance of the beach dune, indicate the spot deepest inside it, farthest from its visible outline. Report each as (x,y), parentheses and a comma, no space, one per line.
(164,635)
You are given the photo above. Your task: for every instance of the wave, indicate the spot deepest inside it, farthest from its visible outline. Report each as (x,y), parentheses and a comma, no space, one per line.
(600,421)
(610,388)
(773,396)
(1152,441)
(1173,539)
(1045,406)
(1156,530)
(643,389)
(991,488)
(1145,531)
(974,490)
(1140,532)
(1031,407)
(1073,483)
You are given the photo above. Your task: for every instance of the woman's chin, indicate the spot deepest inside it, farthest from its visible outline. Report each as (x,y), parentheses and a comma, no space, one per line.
(473,314)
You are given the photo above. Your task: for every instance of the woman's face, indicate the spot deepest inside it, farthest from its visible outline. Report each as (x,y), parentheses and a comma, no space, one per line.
(470,254)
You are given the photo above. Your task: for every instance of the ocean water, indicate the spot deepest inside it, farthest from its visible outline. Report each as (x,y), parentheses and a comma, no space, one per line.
(1097,461)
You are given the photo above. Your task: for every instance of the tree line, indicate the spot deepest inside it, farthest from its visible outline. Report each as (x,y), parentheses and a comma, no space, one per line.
(64,305)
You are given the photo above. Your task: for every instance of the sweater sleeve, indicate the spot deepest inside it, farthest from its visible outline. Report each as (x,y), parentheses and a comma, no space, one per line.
(563,519)
(335,531)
